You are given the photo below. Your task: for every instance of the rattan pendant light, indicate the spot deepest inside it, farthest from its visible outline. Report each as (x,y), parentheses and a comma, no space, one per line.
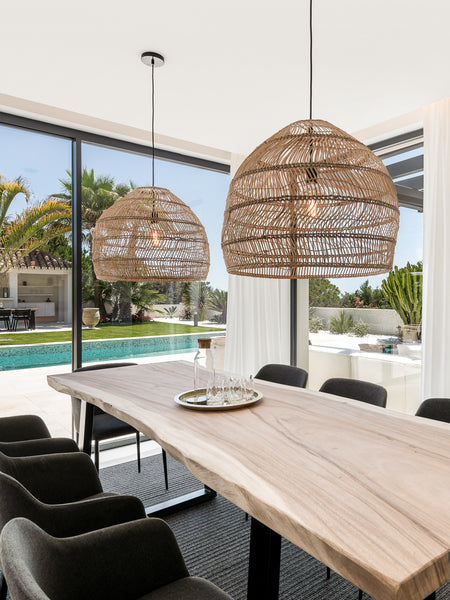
(311,201)
(150,234)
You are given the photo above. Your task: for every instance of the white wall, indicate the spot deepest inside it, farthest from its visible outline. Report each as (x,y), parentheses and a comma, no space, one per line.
(382,321)
(399,375)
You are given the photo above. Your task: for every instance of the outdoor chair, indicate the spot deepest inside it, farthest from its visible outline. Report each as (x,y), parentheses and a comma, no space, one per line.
(5,317)
(106,427)
(27,435)
(284,374)
(63,520)
(23,315)
(140,560)
(364,391)
(435,408)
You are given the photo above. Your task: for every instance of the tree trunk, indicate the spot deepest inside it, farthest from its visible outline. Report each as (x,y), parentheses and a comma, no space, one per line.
(125,311)
(98,300)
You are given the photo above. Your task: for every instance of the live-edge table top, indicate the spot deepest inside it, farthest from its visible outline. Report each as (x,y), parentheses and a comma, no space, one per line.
(363,489)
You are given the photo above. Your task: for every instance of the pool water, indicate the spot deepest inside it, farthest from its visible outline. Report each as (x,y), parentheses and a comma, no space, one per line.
(44,355)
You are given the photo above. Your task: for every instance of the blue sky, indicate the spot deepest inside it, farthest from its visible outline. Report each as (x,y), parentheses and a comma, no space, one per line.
(42,160)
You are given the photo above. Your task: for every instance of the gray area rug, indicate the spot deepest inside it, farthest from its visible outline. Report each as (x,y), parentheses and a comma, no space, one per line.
(214,537)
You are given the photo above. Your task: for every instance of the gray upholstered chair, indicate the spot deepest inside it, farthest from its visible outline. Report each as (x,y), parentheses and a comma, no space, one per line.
(26,435)
(62,493)
(63,520)
(55,478)
(435,408)
(364,391)
(284,374)
(136,561)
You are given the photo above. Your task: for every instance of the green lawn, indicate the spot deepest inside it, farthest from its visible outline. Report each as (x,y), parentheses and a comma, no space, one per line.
(104,332)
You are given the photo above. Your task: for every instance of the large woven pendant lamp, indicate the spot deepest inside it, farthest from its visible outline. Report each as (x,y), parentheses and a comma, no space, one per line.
(150,234)
(311,201)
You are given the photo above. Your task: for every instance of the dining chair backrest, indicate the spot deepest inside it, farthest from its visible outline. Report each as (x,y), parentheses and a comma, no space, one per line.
(19,428)
(435,408)
(284,374)
(22,313)
(5,312)
(364,391)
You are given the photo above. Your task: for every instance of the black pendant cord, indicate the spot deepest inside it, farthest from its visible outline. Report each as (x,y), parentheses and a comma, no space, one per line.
(310,58)
(153,122)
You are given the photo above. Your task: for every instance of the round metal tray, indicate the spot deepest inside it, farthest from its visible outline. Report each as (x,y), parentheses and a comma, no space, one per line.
(196,400)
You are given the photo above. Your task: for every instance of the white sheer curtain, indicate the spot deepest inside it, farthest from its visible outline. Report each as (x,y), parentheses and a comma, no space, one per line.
(436,266)
(257,324)
(257,318)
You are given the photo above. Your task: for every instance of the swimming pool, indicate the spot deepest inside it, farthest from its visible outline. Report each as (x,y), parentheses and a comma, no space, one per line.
(44,355)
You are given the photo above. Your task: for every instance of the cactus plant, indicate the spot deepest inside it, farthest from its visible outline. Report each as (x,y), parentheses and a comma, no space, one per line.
(403,290)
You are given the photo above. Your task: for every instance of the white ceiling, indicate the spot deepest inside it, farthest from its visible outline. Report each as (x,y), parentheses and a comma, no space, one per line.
(236,71)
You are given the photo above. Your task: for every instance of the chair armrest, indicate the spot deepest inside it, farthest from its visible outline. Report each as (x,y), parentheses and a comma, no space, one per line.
(55,478)
(65,520)
(38,446)
(22,427)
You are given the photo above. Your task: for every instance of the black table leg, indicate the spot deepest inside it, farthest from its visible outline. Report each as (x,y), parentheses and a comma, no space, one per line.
(32,320)
(180,502)
(264,563)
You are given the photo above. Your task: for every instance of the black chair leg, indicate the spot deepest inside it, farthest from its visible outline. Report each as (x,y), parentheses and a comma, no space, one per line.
(166,477)
(360,594)
(431,596)
(3,588)
(138,450)
(328,572)
(96,456)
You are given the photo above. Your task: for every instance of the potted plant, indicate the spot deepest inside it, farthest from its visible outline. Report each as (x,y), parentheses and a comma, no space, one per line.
(91,317)
(403,290)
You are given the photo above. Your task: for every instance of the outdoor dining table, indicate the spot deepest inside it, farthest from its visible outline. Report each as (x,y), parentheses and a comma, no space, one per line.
(365,490)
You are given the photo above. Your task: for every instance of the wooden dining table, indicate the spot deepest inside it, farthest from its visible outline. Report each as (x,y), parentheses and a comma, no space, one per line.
(363,489)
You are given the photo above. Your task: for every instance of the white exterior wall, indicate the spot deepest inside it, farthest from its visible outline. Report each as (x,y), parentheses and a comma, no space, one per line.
(401,376)
(382,321)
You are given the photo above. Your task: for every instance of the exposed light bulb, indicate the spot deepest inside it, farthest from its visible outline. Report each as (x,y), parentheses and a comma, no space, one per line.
(311,181)
(311,207)
(155,238)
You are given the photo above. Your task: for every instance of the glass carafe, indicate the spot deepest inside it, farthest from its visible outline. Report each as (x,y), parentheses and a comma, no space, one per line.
(204,358)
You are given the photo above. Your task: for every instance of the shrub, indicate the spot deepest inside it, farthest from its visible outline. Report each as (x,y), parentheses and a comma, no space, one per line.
(343,323)
(360,329)
(315,324)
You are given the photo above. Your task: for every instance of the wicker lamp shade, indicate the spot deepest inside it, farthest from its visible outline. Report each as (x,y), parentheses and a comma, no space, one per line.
(150,235)
(311,201)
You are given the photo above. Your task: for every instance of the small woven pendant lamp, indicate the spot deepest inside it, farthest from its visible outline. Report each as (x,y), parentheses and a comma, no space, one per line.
(311,201)
(150,234)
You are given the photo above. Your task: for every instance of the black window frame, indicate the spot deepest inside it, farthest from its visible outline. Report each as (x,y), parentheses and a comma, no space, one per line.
(78,137)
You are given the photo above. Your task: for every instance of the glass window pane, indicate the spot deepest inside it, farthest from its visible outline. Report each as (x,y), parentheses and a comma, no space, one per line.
(142,321)
(35,275)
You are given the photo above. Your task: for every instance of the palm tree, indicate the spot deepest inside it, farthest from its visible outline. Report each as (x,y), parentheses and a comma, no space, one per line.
(130,293)
(97,194)
(217,301)
(30,229)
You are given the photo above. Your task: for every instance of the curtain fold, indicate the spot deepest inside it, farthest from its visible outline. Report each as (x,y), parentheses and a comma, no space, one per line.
(257,324)
(436,264)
